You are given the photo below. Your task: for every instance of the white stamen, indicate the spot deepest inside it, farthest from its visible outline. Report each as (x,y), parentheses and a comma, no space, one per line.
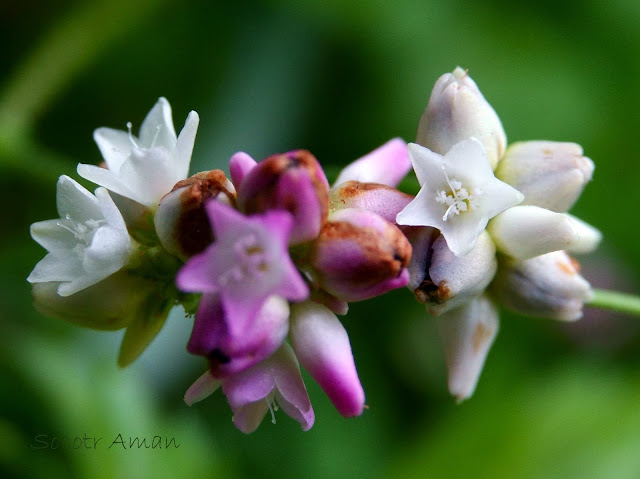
(459,200)
(155,137)
(272,408)
(131,138)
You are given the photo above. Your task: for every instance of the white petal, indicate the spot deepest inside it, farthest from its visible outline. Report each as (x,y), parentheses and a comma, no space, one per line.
(468,157)
(64,266)
(74,200)
(184,146)
(467,334)
(115,146)
(52,236)
(109,210)
(588,237)
(157,128)
(527,231)
(500,196)
(106,178)
(425,162)
(421,211)
(148,174)
(108,252)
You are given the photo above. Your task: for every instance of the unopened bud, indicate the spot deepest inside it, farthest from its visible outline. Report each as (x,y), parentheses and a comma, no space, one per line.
(545,286)
(294,182)
(457,111)
(181,220)
(377,198)
(549,174)
(446,281)
(359,255)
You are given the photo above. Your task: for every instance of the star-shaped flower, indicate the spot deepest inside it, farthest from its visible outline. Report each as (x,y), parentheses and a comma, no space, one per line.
(459,193)
(144,169)
(86,244)
(248,262)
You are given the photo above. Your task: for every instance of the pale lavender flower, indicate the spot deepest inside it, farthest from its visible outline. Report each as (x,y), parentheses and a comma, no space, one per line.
(267,386)
(248,262)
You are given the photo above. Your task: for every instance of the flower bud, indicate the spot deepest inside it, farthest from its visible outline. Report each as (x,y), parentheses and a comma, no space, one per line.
(108,305)
(181,220)
(359,255)
(322,346)
(550,174)
(240,165)
(387,165)
(230,353)
(526,231)
(467,334)
(545,286)
(383,200)
(294,182)
(456,111)
(444,281)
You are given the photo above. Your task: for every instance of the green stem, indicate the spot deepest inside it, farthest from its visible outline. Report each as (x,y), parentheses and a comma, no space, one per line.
(625,303)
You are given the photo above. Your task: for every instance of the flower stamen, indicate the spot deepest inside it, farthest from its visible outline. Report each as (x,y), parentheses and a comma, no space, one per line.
(458,199)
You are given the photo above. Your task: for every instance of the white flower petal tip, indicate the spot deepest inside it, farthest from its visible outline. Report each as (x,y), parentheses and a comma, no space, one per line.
(550,174)
(458,110)
(523,232)
(588,237)
(201,389)
(547,286)
(322,346)
(386,165)
(459,193)
(144,169)
(88,243)
(467,335)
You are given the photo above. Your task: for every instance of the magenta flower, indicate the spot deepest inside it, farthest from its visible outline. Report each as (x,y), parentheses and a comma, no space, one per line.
(275,382)
(247,263)
(232,353)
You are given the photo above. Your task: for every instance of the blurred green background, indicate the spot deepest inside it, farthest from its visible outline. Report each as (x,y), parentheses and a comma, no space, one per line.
(338,78)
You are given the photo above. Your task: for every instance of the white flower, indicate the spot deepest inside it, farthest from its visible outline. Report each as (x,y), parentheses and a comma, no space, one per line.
(459,193)
(145,168)
(86,244)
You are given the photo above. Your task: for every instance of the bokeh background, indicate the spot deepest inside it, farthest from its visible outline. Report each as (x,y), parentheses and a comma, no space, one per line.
(338,78)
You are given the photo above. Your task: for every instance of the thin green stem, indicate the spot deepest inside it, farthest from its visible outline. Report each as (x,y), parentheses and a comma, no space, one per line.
(625,303)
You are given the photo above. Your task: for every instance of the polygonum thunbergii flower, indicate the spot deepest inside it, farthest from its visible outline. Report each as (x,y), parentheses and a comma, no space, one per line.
(86,244)
(144,169)
(459,193)
(248,262)
(272,383)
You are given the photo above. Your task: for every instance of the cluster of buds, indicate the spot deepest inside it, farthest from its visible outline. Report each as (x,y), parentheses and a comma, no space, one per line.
(267,260)
(490,226)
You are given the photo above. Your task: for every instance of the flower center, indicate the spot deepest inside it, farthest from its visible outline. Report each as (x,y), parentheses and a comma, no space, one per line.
(249,260)
(458,199)
(83,232)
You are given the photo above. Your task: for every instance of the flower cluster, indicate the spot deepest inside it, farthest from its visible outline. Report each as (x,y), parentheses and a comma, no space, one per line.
(267,260)
(490,226)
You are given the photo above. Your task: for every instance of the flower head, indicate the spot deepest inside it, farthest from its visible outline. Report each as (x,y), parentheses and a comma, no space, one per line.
(86,244)
(459,193)
(248,262)
(144,169)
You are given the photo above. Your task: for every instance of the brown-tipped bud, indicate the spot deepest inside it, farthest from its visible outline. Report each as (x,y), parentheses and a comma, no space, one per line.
(294,182)
(359,255)
(545,286)
(181,220)
(375,197)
